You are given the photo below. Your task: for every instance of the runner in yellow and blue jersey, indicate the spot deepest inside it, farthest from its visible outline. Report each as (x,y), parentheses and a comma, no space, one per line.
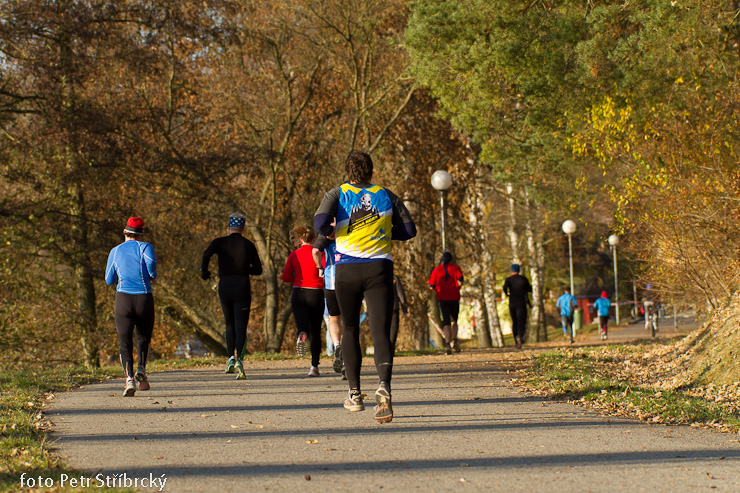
(368,217)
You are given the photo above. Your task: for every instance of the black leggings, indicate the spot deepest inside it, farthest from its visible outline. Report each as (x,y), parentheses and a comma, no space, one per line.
(518,320)
(308,313)
(134,310)
(236,301)
(372,281)
(449,310)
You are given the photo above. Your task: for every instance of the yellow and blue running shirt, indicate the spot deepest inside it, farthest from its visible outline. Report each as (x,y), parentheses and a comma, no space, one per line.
(364,223)
(367,218)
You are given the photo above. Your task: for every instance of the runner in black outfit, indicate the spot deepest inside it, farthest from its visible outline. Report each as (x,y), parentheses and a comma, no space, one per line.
(517,288)
(237,260)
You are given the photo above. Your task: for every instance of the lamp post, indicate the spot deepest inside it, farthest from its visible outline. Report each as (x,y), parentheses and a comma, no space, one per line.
(614,242)
(569,227)
(442,181)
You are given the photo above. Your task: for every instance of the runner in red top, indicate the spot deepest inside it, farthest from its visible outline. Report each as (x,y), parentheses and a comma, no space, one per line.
(308,294)
(446,280)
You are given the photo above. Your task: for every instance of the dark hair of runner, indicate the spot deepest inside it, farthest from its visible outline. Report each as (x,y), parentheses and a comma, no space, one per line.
(359,167)
(302,232)
(133,236)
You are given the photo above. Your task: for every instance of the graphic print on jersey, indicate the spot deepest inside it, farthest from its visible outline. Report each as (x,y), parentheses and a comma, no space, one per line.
(364,223)
(363,214)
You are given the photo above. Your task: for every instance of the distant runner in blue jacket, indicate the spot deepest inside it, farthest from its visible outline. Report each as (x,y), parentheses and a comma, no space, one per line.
(567,304)
(602,306)
(133,265)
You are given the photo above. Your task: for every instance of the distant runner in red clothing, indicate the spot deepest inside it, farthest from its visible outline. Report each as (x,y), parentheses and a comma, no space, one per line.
(308,294)
(446,280)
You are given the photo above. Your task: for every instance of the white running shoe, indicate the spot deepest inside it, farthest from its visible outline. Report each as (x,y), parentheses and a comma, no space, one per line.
(313,372)
(354,403)
(130,389)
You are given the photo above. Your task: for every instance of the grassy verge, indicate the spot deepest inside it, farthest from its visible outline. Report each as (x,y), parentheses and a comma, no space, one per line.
(621,380)
(23,427)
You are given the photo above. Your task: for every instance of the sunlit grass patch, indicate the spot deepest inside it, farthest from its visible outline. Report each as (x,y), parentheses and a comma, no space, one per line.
(23,426)
(596,377)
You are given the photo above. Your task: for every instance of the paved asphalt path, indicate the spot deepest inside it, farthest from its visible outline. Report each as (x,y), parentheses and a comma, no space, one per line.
(459,426)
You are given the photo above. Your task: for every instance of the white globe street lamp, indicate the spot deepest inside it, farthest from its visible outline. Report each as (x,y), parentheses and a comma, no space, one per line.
(614,242)
(442,181)
(569,227)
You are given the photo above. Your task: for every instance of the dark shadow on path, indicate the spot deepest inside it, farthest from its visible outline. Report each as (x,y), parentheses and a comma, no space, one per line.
(641,459)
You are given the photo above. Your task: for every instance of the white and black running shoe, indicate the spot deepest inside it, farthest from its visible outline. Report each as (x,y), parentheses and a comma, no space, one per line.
(142,379)
(338,362)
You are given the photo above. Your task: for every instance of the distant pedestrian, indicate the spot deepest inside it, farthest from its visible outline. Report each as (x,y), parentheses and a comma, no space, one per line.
(399,304)
(567,304)
(307,299)
(237,260)
(324,253)
(368,217)
(133,265)
(446,280)
(602,306)
(650,307)
(517,288)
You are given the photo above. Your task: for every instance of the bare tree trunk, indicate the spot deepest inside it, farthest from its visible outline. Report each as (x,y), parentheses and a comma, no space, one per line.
(80,257)
(85,287)
(435,322)
(540,300)
(208,333)
(280,328)
(272,327)
(512,232)
(537,332)
(482,328)
(489,296)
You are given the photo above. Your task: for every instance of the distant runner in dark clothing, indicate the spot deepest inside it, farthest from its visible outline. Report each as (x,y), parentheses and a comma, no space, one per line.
(237,260)
(517,288)
(133,265)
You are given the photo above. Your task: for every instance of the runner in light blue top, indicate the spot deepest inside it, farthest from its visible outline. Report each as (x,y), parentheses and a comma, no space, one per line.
(133,264)
(602,306)
(567,303)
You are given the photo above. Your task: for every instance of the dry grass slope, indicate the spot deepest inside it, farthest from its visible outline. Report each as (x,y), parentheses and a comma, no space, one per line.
(709,356)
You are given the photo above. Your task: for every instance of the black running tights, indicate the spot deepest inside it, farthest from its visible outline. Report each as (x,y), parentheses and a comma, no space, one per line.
(134,310)
(518,321)
(236,301)
(308,312)
(372,281)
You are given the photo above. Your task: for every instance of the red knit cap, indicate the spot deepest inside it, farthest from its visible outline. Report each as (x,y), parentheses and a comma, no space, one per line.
(603,294)
(134,225)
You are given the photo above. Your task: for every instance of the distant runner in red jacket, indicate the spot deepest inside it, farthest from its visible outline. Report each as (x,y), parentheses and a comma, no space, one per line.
(308,294)
(446,280)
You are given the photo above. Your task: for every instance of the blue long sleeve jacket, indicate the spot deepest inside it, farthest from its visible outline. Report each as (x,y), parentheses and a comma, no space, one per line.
(133,265)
